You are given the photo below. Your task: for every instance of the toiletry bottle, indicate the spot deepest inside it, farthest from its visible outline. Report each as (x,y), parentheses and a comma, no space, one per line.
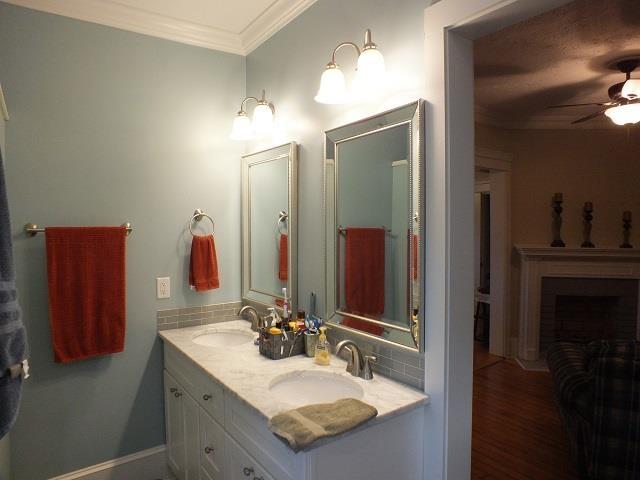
(323,348)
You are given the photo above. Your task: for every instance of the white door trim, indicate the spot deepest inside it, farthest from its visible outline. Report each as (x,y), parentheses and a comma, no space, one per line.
(450,26)
(499,166)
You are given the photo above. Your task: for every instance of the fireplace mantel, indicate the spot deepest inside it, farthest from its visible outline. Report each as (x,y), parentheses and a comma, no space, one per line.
(538,261)
(541,251)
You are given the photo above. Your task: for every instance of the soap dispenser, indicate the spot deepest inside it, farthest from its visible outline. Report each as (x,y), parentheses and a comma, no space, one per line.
(323,351)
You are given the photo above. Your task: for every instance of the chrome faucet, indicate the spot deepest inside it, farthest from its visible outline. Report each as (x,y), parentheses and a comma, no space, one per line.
(358,365)
(257,321)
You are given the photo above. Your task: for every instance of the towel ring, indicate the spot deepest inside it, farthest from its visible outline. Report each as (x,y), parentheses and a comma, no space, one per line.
(283,217)
(197,216)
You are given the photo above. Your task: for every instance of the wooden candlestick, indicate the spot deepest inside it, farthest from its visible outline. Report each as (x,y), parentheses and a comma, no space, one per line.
(556,226)
(626,229)
(587,212)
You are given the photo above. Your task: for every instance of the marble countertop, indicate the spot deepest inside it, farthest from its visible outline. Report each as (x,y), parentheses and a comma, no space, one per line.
(247,374)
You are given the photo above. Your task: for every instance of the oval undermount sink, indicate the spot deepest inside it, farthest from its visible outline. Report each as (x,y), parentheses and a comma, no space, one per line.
(222,338)
(308,387)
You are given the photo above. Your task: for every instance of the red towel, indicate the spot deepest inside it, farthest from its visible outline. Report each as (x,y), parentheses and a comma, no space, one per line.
(283,261)
(364,270)
(86,271)
(203,266)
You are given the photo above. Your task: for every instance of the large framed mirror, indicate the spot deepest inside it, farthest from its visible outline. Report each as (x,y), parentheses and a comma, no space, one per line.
(374,177)
(270,226)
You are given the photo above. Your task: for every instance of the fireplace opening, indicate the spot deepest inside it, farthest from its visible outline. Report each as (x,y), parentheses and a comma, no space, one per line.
(583,319)
(586,309)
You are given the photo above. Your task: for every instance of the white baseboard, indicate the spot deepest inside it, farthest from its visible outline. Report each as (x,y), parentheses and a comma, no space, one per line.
(148,464)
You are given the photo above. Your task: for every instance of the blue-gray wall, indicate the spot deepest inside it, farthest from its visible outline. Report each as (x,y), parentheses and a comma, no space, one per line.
(289,65)
(108,126)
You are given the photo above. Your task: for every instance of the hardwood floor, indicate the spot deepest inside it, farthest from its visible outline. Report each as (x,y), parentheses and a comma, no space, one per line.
(517,433)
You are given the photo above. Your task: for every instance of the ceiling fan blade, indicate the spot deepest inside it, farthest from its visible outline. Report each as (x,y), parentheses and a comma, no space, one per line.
(589,117)
(579,105)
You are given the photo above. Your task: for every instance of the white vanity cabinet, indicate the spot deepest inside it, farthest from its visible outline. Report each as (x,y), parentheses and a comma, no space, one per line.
(212,434)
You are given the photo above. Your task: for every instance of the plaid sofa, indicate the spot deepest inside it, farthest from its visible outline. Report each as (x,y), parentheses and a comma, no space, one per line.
(597,389)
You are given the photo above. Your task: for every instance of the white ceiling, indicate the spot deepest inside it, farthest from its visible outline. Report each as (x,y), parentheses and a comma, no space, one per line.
(237,26)
(562,56)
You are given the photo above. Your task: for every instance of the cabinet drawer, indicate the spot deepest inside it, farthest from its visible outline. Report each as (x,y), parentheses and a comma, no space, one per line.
(240,465)
(207,392)
(250,430)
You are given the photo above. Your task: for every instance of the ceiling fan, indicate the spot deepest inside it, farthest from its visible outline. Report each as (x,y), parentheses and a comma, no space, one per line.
(624,105)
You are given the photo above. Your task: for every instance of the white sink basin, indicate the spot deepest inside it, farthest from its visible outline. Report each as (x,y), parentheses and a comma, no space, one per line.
(220,338)
(307,387)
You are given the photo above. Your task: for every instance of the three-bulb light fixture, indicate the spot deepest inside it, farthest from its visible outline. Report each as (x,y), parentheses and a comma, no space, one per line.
(262,123)
(369,78)
(627,113)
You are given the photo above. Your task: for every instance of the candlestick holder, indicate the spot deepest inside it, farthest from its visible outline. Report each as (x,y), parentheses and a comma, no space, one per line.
(587,214)
(556,225)
(626,230)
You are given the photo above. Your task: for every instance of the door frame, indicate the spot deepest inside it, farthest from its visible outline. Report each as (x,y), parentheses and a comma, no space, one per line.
(450,26)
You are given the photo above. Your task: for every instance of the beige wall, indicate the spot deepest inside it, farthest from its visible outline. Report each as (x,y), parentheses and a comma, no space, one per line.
(601,166)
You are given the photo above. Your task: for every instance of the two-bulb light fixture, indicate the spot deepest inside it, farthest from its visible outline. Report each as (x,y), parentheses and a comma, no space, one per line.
(260,126)
(628,113)
(369,79)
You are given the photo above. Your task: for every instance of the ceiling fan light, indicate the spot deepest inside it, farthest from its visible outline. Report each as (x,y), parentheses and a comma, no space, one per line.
(631,89)
(628,114)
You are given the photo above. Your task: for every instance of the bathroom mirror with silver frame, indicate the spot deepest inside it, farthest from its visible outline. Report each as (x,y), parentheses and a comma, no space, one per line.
(270,226)
(373,186)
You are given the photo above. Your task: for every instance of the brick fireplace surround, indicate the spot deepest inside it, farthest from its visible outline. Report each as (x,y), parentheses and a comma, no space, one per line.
(561,282)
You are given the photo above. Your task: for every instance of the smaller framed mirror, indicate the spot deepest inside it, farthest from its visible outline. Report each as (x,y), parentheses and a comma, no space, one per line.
(374,180)
(270,226)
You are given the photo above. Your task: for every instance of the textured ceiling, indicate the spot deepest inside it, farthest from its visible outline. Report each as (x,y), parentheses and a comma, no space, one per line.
(561,56)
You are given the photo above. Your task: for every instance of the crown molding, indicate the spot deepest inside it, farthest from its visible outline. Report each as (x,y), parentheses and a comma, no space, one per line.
(105,12)
(271,21)
(485,116)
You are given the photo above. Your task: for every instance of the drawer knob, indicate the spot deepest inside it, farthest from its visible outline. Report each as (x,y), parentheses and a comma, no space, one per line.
(177,394)
(206,397)
(247,471)
(208,450)
(173,389)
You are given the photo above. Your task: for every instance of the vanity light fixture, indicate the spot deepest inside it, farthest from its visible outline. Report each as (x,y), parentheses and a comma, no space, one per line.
(369,74)
(262,124)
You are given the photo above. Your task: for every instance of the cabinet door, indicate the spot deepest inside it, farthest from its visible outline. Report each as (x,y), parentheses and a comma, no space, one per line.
(240,465)
(212,446)
(174,421)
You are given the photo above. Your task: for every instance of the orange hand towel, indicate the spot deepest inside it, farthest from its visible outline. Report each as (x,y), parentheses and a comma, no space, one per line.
(86,272)
(203,266)
(364,270)
(283,260)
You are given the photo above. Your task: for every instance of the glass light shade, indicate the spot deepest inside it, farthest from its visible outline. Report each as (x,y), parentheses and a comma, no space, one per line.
(631,89)
(370,75)
(624,114)
(262,119)
(333,88)
(241,127)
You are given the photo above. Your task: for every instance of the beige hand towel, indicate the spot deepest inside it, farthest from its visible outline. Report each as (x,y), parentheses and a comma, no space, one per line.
(303,426)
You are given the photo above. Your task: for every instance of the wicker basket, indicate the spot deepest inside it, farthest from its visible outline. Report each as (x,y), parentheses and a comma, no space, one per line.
(276,347)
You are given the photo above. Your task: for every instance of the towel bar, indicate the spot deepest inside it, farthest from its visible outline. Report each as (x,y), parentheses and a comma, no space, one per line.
(31,229)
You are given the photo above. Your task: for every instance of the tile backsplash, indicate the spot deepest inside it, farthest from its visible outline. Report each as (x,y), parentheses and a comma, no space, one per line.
(399,364)
(202,315)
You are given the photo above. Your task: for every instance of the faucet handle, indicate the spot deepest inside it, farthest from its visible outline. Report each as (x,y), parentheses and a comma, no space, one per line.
(367,374)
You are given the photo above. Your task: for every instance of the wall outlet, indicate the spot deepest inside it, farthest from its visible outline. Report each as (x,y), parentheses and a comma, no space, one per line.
(163,287)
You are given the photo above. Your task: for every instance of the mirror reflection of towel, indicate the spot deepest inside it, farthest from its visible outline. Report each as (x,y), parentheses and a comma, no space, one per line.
(283,260)
(364,270)
(203,265)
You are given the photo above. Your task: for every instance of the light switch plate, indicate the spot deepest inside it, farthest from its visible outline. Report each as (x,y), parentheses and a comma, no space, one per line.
(163,287)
